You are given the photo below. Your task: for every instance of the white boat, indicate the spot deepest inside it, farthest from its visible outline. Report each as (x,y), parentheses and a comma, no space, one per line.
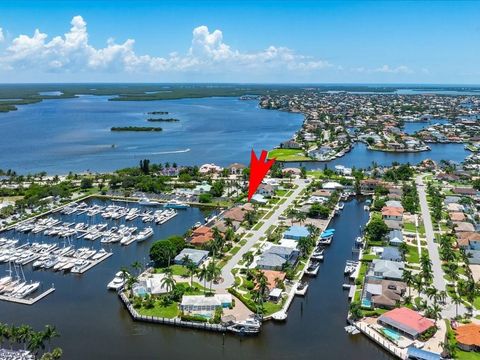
(147,202)
(312,268)
(101,253)
(175,204)
(247,327)
(28,289)
(144,234)
(117,282)
(302,288)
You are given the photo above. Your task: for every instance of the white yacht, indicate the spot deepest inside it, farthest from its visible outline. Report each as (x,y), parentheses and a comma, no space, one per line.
(144,234)
(117,282)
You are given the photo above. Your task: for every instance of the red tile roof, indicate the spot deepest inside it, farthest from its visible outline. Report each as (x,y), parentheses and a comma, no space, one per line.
(409,319)
(468,334)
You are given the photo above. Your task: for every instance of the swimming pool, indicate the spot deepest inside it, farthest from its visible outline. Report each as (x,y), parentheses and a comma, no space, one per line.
(366,303)
(392,334)
(140,290)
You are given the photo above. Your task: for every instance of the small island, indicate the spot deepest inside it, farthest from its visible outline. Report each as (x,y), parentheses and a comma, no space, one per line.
(135,128)
(157,113)
(162,120)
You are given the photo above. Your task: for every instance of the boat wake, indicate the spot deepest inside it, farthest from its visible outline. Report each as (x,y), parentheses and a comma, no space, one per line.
(171,152)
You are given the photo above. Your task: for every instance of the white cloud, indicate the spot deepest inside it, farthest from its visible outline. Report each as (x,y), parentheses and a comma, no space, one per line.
(402,69)
(207,53)
(2,37)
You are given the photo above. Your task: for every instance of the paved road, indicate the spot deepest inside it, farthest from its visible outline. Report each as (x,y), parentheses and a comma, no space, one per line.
(228,278)
(438,280)
(448,309)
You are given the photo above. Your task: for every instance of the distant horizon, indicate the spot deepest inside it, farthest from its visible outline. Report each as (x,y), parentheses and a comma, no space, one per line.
(246,83)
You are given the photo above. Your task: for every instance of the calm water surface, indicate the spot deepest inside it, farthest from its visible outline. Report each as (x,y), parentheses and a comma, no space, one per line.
(95,325)
(65,135)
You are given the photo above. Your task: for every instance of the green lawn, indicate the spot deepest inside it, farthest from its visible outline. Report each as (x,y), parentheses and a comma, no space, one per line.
(281,192)
(235,250)
(408,226)
(258,226)
(287,155)
(412,255)
(476,303)
(466,355)
(170,311)
(179,270)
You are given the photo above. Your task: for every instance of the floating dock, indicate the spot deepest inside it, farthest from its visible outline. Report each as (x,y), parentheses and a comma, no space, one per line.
(30,301)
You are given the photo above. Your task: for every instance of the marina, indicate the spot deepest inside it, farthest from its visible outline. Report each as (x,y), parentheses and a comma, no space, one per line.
(315,318)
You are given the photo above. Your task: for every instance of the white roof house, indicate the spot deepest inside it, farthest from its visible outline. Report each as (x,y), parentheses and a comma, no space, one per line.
(332,185)
(205,303)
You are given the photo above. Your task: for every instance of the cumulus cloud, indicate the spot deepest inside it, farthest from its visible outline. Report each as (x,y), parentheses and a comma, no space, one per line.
(2,37)
(208,52)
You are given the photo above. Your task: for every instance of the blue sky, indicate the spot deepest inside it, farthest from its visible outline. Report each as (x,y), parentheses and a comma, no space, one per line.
(241,41)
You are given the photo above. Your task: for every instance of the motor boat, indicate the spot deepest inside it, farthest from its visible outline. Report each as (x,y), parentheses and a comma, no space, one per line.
(144,234)
(117,282)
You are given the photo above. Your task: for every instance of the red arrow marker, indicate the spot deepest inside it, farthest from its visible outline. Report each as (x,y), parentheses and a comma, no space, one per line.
(258,170)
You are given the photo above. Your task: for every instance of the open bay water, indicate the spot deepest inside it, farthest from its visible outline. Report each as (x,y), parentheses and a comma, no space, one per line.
(94,324)
(62,135)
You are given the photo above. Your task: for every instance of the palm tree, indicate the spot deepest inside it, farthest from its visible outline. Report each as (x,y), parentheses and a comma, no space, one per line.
(213,273)
(408,278)
(50,333)
(300,217)
(248,257)
(35,342)
(192,269)
(418,284)
(203,275)
(23,334)
(3,330)
(168,282)
(137,266)
(457,300)
(431,293)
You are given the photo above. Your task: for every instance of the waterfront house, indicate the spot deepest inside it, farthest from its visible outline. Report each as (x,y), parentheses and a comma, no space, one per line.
(322,193)
(260,199)
(296,232)
(202,303)
(237,213)
(203,188)
(386,269)
(463,226)
(276,257)
(384,294)
(273,278)
(195,255)
(236,169)
(368,186)
(468,337)
(473,256)
(331,185)
(266,190)
(201,235)
(395,237)
(465,239)
(392,213)
(457,216)
(394,204)
(209,169)
(406,321)
(465,191)
(393,224)
(290,144)
(391,253)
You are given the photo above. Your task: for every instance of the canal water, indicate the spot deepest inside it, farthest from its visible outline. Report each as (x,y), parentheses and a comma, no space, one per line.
(95,325)
(361,157)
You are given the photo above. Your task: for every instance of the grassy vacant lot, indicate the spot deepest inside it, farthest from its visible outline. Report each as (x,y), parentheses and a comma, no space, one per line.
(179,270)
(408,226)
(170,311)
(412,255)
(287,155)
